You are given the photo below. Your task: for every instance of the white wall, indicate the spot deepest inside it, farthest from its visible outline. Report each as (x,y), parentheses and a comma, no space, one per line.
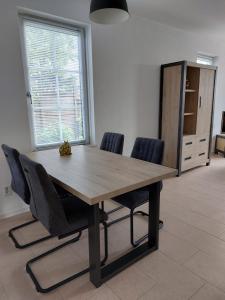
(126,62)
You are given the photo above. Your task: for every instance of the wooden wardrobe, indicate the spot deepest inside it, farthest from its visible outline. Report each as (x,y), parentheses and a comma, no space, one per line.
(186,113)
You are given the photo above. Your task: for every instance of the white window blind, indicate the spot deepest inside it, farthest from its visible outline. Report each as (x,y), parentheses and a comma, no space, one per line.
(56,74)
(205,59)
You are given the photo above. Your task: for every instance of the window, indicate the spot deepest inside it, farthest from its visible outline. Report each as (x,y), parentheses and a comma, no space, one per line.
(205,59)
(56,71)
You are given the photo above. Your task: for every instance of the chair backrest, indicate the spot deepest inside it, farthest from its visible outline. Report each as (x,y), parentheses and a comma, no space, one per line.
(45,203)
(147,149)
(18,183)
(112,142)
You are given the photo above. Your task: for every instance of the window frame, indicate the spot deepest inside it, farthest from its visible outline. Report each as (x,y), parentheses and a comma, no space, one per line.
(88,119)
(206,56)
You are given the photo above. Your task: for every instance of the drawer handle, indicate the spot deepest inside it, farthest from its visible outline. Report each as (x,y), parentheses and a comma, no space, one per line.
(188,143)
(187,158)
(201,154)
(202,140)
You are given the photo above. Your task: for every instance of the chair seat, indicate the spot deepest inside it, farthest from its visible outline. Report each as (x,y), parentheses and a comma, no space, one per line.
(133,199)
(61,191)
(77,212)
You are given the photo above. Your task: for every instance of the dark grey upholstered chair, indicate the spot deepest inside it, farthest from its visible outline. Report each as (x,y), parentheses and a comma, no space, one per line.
(18,181)
(112,142)
(150,150)
(20,187)
(61,217)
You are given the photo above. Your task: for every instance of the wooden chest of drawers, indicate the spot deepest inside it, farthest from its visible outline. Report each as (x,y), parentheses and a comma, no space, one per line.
(195,151)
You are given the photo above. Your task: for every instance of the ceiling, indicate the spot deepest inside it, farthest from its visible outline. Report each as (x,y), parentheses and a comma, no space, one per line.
(204,16)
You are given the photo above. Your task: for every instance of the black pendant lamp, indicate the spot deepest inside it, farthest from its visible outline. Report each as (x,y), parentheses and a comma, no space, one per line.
(109,11)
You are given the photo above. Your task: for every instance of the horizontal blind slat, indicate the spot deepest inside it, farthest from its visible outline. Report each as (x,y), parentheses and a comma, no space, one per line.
(55,78)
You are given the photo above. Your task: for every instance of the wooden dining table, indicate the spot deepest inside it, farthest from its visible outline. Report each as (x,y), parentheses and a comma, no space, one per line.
(95,176)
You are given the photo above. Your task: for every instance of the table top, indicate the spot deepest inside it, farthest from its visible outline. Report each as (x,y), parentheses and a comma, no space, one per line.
(94,175)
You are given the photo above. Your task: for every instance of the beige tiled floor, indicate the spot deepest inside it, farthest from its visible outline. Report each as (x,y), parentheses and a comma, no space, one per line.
(190,263)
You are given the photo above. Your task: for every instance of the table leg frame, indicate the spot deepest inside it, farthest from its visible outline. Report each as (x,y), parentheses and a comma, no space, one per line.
(98,274)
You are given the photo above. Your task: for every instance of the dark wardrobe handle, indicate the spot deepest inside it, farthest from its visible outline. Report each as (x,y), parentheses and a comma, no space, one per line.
(188,143)
(200,102)
(188,158)
(28,94)
(202,140)
(201,154)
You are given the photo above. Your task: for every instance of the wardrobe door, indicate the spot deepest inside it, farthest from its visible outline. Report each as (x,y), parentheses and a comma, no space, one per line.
(170,113)
(205,105)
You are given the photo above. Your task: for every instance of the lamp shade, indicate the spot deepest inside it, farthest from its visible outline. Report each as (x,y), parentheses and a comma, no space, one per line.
(109,11)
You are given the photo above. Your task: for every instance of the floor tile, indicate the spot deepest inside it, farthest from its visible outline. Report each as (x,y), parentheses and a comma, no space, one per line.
(175,248)
(198,238)
(199,205)
(192,218)
(18,285)
(130,284)
(208,292)
(3,295)
(212,269)
(11,255)
(166,291)
(169,274)
(83,289)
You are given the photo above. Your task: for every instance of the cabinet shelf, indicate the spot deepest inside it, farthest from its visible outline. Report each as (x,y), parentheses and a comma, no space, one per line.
(189,135)
(189,114)
(190,91)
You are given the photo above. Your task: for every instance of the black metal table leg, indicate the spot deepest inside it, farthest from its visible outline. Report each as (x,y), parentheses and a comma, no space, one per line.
(143,250)
(94,246)
(153,219)
(100,274)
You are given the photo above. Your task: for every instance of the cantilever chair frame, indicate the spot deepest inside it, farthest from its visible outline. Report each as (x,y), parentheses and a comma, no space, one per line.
(131,217)
(17,244)
(38,286)
(47,206)
(25,197)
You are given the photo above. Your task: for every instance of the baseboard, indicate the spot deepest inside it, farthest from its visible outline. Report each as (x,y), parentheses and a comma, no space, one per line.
(11,206)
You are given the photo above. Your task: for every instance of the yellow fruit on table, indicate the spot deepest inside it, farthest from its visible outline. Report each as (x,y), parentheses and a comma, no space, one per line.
(65,149)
